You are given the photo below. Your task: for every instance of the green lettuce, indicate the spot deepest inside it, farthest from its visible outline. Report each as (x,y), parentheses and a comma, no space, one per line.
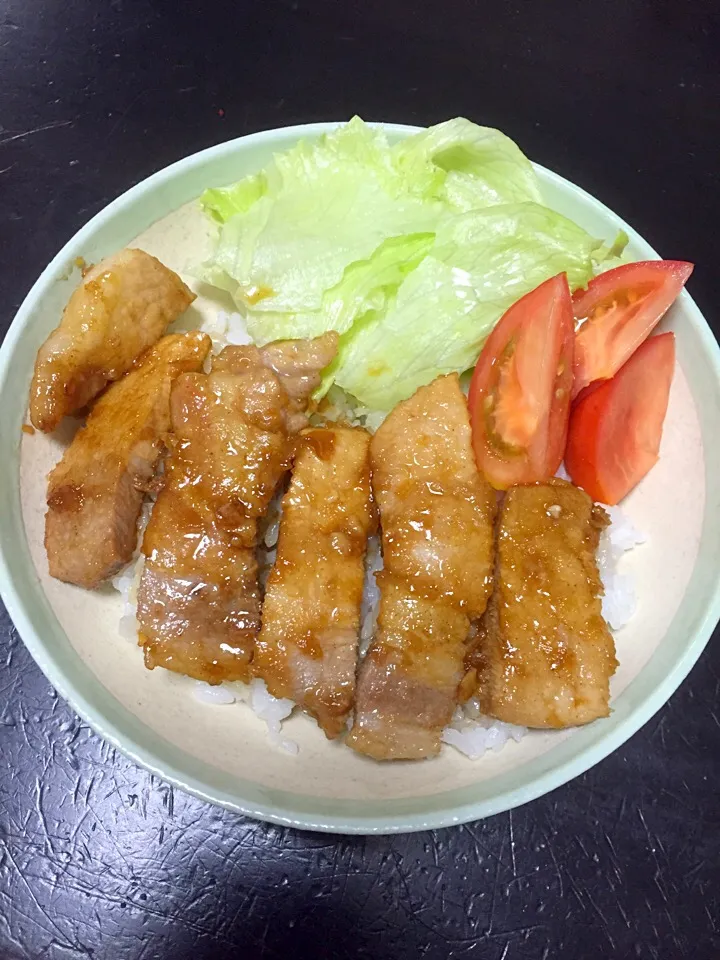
(365,285)
(222,203)
(481,263)
(473,166)
(611,255)
(410,251)
(323,206)
(289,234)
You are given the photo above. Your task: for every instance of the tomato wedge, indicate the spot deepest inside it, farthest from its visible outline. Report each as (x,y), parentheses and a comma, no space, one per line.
(618,311)
(519,397)
(615,427)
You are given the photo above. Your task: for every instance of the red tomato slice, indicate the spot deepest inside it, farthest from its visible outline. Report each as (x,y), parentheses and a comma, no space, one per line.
(615,428)
(618,311)
(519,395)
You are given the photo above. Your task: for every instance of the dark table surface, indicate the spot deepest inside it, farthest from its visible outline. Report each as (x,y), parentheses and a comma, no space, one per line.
(98,858)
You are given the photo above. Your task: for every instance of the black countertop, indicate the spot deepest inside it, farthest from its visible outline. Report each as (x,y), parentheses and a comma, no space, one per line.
(100,859)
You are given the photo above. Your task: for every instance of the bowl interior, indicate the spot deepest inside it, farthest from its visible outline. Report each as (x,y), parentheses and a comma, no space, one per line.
(222,752)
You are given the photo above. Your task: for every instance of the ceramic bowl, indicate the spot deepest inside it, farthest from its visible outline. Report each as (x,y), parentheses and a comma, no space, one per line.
(221,753)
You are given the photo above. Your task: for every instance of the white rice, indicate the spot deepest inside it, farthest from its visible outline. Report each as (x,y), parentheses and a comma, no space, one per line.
(219,695)
(226,329)
(268,533)
(470,733)
(255,694)
(127,581)
(371,594)
(620,601)
(340,406)
(472,736)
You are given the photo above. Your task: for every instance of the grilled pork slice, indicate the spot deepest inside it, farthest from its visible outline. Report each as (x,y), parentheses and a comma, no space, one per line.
(437,517)
(95,492)
(545,653)
(298,364)
(307,649)
(122,306)
(198,601)
(409,678)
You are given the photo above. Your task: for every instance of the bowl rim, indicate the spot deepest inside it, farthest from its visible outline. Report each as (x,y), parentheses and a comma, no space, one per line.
(613,737)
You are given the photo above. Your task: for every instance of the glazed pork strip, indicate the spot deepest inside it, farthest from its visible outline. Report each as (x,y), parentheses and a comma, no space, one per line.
(198,600)
(307,649)
(95,492)
(120,309)
(545,653)
(437,516)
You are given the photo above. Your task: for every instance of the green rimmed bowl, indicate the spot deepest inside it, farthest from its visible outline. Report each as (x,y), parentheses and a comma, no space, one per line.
(221,753)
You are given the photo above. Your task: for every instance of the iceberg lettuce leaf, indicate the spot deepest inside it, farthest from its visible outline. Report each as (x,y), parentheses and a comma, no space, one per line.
(473,166)
(481,263)
(222,203)
(365,285)
(324,206)
(412,252)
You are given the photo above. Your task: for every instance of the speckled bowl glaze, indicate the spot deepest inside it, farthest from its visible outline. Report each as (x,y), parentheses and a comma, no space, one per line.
(221,753)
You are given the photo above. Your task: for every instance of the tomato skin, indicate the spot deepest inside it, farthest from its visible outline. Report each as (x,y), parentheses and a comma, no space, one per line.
(616,426)
(519,398)
(620,309)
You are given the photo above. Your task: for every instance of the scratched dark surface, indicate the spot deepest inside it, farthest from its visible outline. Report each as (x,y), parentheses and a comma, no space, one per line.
(99,859)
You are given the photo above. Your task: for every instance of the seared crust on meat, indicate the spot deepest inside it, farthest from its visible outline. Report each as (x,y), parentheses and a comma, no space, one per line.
(198,601)
(437,514)
(95,492)
(121,307)
(544,654)
(307,648)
